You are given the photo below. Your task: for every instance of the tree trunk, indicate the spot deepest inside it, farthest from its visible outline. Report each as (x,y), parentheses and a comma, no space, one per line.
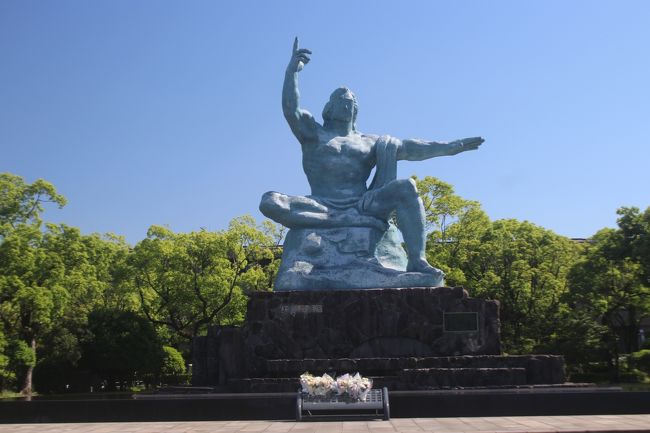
(27,385)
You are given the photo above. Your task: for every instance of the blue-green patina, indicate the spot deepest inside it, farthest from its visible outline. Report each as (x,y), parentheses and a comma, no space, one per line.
(340,236)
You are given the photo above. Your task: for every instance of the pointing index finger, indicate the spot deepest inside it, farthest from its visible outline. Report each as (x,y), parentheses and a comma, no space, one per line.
(295,44)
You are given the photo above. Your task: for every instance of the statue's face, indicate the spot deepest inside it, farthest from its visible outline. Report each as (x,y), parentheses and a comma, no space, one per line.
(342,105)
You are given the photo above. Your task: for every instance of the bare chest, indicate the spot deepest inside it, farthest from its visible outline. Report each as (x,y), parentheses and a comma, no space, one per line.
(355,148)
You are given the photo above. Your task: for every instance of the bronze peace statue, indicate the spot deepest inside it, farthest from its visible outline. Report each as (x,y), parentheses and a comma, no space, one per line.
(340,236)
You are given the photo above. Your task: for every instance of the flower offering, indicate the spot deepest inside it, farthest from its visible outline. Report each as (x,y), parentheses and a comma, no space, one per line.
(356,387)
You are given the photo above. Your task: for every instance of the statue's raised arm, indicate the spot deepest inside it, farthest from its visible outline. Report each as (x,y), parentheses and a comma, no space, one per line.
(302,123)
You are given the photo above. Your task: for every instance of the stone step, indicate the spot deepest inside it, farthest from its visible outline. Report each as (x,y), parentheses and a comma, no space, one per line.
(409,379)
(427,378)
(537,369)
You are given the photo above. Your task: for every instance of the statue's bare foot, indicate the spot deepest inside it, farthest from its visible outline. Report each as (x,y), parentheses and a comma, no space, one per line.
(421,265)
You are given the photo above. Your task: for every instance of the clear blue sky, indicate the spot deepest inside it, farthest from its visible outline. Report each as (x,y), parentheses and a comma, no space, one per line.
(160,112)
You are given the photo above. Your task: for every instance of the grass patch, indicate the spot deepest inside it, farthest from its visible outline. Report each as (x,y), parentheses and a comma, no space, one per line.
(635,386)
(12,394)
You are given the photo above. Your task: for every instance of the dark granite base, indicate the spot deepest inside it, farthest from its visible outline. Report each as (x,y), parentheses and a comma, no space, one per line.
(371,323)
(416,338)
(415,373)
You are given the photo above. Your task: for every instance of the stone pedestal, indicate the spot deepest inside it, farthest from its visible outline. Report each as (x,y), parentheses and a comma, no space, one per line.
(416,338)
(405,338)
(371,323)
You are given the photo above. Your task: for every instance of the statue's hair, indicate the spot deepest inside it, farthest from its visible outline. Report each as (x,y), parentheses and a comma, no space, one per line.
(328,106)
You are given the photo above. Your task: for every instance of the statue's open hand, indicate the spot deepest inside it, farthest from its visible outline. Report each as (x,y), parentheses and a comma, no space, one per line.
(471,143)
(299,57)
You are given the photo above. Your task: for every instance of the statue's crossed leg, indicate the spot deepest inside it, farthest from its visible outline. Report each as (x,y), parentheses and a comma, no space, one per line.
(372,210)
(306,212)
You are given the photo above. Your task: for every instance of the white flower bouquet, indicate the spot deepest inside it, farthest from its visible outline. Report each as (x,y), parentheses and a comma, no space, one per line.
(317,385)
(356,387)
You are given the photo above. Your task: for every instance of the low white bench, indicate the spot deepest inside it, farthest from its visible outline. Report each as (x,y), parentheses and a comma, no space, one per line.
(376,404)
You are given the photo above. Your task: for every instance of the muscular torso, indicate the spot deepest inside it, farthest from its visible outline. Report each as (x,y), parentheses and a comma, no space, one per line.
(338,167)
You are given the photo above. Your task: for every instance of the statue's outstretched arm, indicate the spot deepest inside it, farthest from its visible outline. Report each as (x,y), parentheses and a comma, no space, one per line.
(300,121)
(418,150)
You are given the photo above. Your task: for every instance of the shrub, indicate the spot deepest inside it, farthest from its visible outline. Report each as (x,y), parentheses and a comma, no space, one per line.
(641,360)
(173,362)
(633,376)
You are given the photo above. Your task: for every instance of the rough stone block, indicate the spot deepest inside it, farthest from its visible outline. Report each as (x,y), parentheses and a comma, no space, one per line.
(369,323)
(346,258)
(415,338)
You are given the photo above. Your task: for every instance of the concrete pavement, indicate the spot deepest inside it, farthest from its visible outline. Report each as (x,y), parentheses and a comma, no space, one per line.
(524,424)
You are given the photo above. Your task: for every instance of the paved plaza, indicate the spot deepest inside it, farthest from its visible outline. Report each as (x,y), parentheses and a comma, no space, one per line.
(541,424)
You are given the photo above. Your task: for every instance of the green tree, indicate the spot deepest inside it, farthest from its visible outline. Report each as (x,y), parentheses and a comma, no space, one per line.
(22,203)
(442,207)
(634,242)
(51,277)
(32,297)
(610,283)
(455,227)
(6,375)
(523,266)
(121,345)
(518,263)
(187,281)
(92,277)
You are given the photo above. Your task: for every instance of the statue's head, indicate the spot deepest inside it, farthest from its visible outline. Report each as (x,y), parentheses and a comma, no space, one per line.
(341,106)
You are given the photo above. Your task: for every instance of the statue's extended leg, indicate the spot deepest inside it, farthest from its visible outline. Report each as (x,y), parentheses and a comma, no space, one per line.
(304,212)
(402,196)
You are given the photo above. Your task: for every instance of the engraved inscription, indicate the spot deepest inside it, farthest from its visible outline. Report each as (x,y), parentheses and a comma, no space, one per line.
(294,309)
